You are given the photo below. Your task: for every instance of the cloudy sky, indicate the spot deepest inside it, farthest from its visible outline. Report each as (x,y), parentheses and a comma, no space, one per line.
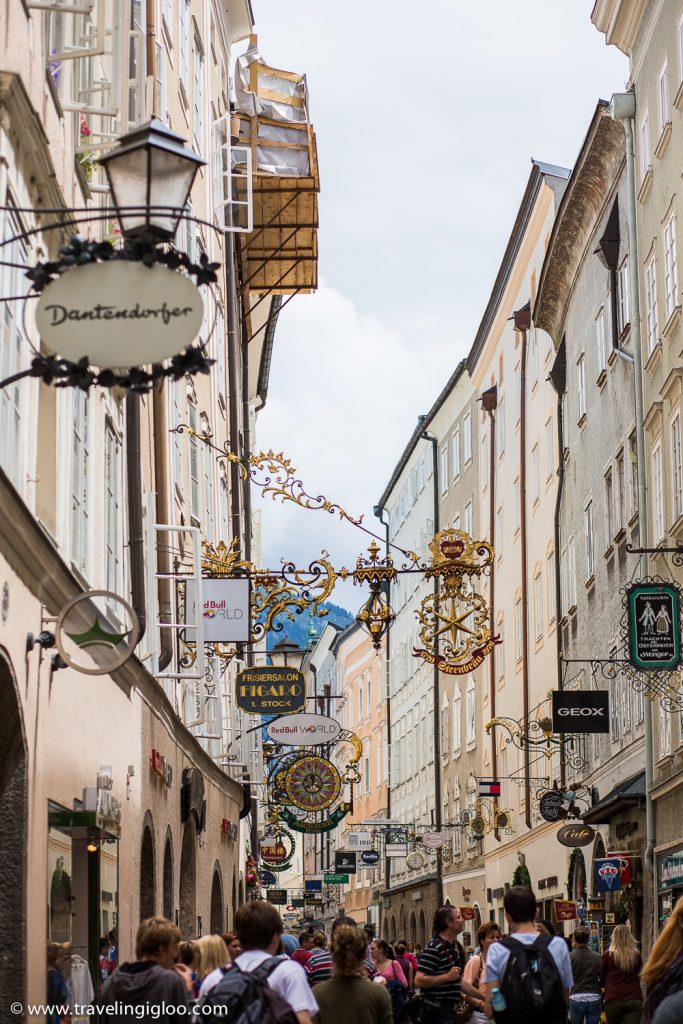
(425,128)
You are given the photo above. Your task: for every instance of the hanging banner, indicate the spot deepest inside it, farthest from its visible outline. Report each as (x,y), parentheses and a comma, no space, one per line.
(565,910)
(608,875)
(226,609)
(624,862)
(654,626)
(270,690)
(345,862)
(584,711)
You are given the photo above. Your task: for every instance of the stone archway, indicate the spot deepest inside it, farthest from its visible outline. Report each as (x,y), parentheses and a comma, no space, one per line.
(167,896)
(147,873)
(217,924)
(188,881)
(423,937)
(13,840)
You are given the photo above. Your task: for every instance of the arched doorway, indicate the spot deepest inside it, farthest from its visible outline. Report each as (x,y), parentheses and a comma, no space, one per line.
(422,930)
(13,844)
(402,926)
(168,877)
(233,906)
(217,922)
(413,928)
(188,881)
(147,879)
(393,936)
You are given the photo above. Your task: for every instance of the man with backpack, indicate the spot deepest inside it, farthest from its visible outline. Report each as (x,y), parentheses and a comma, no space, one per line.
(530,970)
(260,986)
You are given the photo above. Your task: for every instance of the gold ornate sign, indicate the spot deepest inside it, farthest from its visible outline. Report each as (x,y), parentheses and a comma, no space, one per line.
(455,629)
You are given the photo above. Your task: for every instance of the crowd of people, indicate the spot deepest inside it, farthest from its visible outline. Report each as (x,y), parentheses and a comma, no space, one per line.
(260,974)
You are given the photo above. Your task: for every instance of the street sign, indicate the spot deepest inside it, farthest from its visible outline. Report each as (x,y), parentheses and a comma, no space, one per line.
(359,840)
(278,897)
(396,849)
(345,862)
(369,857)
(270,690)
(654,626)
(576,835)
(584,711)
(336,879)
(303,730)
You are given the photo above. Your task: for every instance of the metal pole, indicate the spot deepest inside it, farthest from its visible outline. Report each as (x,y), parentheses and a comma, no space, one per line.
(623,108)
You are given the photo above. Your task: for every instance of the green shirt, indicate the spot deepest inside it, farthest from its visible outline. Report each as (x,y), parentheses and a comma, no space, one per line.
(352,999)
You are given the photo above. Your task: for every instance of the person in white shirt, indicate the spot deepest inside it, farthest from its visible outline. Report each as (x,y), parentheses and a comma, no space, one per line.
(259,928)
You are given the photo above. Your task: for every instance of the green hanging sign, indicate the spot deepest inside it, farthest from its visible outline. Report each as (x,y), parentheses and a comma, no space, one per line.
(654,626)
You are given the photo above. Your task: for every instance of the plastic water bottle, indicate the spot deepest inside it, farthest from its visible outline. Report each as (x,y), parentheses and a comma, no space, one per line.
(498,1004)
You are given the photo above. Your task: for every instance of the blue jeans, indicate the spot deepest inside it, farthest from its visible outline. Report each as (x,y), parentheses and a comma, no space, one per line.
(581,1012)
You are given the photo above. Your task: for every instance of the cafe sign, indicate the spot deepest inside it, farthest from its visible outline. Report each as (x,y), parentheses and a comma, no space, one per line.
(270,690)
(576,835)
(119,314)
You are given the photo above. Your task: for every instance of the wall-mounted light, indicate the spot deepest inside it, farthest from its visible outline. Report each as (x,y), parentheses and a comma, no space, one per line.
(92,847)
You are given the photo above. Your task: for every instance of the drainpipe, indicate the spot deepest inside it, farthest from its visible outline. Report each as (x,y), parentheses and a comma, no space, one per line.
(135,529)
(161,486)
(489,403)
(151,53)
(558,378)
(522,319)
(623,108)
(233,411)
(435,692)
(379,512)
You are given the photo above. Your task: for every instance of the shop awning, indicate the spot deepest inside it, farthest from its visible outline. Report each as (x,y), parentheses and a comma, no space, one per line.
(629,793)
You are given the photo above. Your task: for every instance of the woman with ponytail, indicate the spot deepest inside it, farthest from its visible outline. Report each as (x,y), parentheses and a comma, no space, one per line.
(349,996)
(663,973)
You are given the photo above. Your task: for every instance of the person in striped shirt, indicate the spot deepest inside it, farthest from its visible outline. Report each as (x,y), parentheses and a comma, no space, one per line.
(439,971)
(320,964)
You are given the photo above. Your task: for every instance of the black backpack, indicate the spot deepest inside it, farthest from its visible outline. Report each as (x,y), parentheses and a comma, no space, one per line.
(248,998)
(531,984)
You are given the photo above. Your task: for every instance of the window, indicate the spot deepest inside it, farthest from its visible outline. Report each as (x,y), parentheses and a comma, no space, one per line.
(609,507)
(500,421)
(680,48)
(471,713)
(219,349)
(549,454)
(195,502)
(445,726)
(535,473)
(581,387)
(80,478)
(198,93)
(633,474)
(621,490)
(664,733)
(645,158)
(657,495)
(456,521)
(625,698)
(176,420)
(183,39)
(360,703)
(467,518)
(499,529)
(571,573)
(538,604)
(366,773)
(457,836)
(590,548)
(14,352)
(167,12)
(615,698)
(600,340)
(533,357)
(651,304)
(500,651)
(518,629)
(209,462)
(623,308)
(518,392)
(113,522)
(484,474)
(455,452)
(663,90)
(443,469)
(564,582)
(161,80)
(639,706)
(676,468)
(467,437)
(421,475)
(551,586)
(518,504)
(670,268)
(457,719)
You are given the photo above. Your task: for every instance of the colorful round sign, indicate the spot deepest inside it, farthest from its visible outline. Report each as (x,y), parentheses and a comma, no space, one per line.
(303,730)
(312,784)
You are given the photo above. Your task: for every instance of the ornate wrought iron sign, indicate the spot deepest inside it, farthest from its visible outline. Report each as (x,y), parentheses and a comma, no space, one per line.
(654,626)
(270,690)
(455,632)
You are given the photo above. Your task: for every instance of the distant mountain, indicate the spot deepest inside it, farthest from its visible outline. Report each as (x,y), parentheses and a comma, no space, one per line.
(297,629)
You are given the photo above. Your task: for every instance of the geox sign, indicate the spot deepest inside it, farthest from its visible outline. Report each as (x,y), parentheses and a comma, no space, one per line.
(580,711)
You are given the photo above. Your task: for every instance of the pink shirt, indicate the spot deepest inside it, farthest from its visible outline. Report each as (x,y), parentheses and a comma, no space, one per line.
(393,972)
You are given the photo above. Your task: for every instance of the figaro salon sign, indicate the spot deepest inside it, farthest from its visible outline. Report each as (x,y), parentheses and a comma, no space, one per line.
(270,690)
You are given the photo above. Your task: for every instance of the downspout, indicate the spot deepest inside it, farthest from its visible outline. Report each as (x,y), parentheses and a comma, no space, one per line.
(558,378)
(489,402)
(435,690)
(135,528)
(233,412)
(379,512)
(151,52)
(522,319)
(623,108)
(246,449)
(161,486)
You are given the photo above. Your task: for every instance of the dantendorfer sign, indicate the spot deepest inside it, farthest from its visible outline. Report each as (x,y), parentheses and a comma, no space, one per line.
(119,314)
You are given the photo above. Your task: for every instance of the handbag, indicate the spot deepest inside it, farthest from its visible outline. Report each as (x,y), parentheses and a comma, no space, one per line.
(463,1008)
